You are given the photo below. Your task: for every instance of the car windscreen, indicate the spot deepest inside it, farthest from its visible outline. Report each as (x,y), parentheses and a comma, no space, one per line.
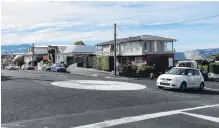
(59,65)
(176,71)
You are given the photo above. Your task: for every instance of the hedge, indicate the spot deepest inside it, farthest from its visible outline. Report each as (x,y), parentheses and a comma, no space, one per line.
(144,71)
(203,67)
(135,71)
(214,68)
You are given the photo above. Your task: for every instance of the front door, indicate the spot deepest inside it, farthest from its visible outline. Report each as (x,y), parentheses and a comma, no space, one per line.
(190,78)
(197,77)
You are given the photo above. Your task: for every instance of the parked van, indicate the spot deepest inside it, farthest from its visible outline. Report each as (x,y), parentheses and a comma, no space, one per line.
(190,64)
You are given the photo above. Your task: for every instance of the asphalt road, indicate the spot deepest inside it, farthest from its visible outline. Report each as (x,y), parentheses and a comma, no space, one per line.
(30,100)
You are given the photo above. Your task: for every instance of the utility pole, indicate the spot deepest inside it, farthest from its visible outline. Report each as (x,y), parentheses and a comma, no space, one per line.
(33,54)
(115,49)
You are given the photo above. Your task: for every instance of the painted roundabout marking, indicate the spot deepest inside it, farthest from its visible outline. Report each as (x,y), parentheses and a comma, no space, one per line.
(99,85)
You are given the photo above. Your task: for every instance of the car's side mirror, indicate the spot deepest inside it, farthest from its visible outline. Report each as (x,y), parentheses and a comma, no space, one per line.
(190,74)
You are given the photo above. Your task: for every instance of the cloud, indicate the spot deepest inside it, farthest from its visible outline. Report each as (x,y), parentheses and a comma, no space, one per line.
(65,21)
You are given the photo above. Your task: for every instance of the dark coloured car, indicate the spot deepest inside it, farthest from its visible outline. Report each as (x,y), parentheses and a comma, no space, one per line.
(58,68)
(205,75)
(29,67)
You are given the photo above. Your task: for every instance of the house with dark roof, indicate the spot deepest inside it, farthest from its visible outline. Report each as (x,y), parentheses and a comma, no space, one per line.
(138,50)
(194,55)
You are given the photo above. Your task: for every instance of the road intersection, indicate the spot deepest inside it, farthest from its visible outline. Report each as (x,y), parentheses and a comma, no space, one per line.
(30,100)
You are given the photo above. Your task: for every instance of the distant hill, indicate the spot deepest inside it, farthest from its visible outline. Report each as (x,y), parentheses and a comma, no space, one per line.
(210,51)
(22,48)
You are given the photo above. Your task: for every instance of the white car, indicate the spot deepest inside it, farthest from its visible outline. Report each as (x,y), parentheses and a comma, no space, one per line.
(181,78)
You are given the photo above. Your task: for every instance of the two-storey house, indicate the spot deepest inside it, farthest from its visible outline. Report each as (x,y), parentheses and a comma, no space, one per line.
(39,52)
(145,49)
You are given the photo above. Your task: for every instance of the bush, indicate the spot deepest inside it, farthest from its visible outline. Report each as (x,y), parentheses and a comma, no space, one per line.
(214,68)
(203,67)
(144,71)
(103,63)
(129,70)
(119,68)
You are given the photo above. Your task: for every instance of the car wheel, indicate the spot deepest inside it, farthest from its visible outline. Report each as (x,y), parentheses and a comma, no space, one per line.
(183,86)
(202,86)
(58,70)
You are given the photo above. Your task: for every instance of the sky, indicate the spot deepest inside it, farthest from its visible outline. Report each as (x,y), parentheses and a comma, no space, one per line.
(46,23)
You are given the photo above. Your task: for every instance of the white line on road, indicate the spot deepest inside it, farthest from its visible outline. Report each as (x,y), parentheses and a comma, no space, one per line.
(210,118)
(108,77)
(213,89)
(126,120)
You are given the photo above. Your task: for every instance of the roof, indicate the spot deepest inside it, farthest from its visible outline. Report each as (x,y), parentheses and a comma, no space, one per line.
(192,55)
(62,48)
(137,38)
(80,49)
(179,56)
(17,57)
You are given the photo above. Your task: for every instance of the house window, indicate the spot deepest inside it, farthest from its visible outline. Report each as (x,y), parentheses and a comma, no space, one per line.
(138,61)
(112,48)
(145,46)
(155,45)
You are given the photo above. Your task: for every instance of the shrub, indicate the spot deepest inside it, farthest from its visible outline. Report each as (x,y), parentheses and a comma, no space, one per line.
(119,68)
(103,63)
(203,67)
(144,71)
(129,70)
(214,68)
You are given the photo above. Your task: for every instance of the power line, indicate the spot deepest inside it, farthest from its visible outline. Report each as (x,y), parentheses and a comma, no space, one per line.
(122,31)
(179,22)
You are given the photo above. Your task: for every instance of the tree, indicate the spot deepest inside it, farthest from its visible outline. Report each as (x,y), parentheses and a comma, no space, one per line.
(217,56)
(79,42)
(52,54)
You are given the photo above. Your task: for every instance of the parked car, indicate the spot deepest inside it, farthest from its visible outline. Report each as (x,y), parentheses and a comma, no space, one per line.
(204,74)
(181,78)
(58,68)
(23,67)
(28,67)
(12,67)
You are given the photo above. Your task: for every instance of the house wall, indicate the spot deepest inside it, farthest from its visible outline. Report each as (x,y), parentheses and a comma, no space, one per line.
(135,48)
(160,61)
(40,50)
(28,58)
(130,48)
(151,47)
(60,58)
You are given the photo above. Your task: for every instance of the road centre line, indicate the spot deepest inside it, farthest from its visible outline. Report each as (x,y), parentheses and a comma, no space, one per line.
(126,120)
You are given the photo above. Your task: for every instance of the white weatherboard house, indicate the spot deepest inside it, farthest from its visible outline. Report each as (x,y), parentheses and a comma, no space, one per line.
(39,51)
(59,57)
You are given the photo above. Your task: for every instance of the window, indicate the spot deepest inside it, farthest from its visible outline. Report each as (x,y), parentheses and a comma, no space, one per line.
(188,65)
(196,73)
(112,48)
(145,46)
(180,71)
(138,61)
(155,45)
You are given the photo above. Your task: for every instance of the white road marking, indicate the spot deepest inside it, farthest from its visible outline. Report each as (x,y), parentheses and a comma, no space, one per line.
(126,120)
(116,78)
(210,118)
(213,89)
(99,85)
